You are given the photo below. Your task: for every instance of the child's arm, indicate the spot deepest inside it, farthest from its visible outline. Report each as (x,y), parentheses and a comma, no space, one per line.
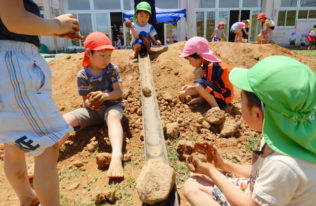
(129,25)
(18,20)
(236,169)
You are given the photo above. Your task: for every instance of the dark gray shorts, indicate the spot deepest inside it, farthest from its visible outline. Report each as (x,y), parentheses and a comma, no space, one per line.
(88,117)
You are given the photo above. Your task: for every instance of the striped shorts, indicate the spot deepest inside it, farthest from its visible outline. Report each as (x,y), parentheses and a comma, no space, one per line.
(29,116)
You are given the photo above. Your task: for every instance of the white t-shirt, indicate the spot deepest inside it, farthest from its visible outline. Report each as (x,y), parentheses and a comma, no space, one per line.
(148,28)
(281,180)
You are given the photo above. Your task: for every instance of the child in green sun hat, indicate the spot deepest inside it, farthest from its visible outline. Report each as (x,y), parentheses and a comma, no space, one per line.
(278,98)
(142,32)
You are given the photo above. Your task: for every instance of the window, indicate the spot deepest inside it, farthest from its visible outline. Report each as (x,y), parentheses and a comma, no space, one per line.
(229,4)
(210,24)
(200,23)
(102,23)
(308,3)
(288,3)
(281,18)
(290,18)
(206,4)
(107,4)
(312,14)
(78,5)
(128,4)
(250,3)
(85,24)
(167,4)
(287,18)
(302,14)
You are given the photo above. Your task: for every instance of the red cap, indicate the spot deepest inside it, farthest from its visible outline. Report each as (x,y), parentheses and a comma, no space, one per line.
(221,23)
(95,41)
(261,15)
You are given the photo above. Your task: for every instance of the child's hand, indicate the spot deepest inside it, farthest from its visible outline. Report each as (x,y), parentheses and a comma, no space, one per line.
(210,152)
(93,105)
(67,24)
(198,164)
(95,100)
(158,43)
(128,24)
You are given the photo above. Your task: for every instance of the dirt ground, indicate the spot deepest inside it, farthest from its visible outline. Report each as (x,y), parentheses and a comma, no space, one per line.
(80,178)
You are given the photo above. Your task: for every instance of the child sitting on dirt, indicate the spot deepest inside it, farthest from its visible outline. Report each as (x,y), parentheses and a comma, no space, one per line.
(31,122)
(283,171)
(219,32)
(238,29)
(211,75)
(99,84)
(142,32)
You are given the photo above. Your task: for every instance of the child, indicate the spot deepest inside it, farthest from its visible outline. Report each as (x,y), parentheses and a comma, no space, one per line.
(267,26)
(292,39)
(141,30)
(237,28)
(311,40)
(303,41)
(119,41)
(99,84)
(31,121)
(211,74)
(219,32)
(283,171)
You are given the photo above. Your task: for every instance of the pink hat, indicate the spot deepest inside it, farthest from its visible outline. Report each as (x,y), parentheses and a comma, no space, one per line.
(199,45)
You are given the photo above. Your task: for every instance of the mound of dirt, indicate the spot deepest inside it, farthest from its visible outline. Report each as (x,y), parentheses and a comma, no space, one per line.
(170,74)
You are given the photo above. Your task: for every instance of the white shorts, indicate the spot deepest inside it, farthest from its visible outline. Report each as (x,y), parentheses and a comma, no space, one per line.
(29,116)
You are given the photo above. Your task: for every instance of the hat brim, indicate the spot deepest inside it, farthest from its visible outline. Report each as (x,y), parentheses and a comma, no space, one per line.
(104,47)
(210,56)
(239,78)
(183,55)
(285,136)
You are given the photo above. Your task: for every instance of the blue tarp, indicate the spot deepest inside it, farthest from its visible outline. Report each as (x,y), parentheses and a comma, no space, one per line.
(162,15)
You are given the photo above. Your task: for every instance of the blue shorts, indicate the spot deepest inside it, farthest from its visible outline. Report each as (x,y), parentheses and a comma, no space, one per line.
(31,119)
(212,89)
(141,36)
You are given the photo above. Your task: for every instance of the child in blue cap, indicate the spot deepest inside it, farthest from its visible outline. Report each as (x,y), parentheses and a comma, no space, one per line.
(278,98)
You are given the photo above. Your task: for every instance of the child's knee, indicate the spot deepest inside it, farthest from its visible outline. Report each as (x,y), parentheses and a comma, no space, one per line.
(113,116)
(189,187)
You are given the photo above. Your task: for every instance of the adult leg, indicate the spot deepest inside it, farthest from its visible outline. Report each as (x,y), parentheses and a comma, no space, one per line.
(207,96)
(115,130)
(16,172)
(46,182)
(197,190)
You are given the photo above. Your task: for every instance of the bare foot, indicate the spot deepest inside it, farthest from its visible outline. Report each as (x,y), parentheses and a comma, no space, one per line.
(116,168)
(197,100)
(31,201)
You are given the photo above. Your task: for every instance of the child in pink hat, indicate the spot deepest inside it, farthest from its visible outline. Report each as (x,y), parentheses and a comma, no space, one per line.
(211,75)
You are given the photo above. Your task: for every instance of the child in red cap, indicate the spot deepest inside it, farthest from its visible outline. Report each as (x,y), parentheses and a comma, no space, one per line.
(99,84)
(219,32)
(267,26)
(211,75)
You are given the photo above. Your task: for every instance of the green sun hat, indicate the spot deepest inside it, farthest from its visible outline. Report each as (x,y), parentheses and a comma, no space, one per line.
(288,90)
(142,6)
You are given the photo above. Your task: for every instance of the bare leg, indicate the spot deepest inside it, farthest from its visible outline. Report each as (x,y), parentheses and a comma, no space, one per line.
(147,44)
(205,95)
(116,138)
(197,190)
(15,170)
(46,183)
(136,49)
(71,119)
